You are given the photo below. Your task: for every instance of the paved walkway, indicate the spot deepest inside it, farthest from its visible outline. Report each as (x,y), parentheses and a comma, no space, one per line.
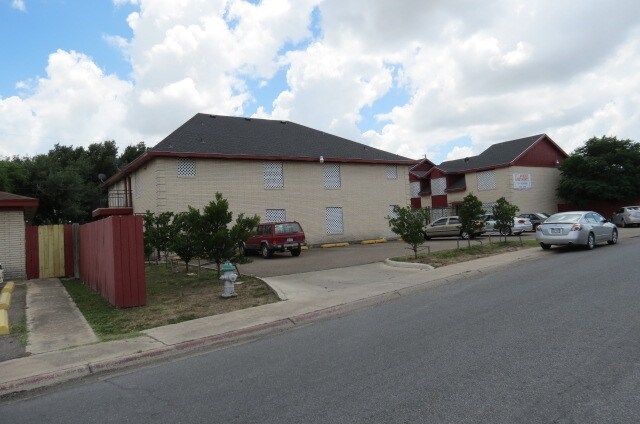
(309,296)
(54,321)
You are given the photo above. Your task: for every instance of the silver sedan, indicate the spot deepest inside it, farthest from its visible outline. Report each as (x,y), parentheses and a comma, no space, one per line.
(582,228)
(628,215)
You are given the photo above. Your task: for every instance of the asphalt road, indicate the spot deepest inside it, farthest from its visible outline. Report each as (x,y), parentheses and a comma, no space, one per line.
(552,340)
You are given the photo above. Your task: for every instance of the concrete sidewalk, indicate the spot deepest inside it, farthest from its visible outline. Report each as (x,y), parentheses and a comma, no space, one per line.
(306,297)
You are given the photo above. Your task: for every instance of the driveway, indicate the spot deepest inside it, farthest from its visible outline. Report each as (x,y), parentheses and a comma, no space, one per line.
(318,259)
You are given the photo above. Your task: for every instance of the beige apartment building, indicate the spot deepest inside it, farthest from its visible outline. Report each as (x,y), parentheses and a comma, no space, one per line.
(523,171)
(338,190)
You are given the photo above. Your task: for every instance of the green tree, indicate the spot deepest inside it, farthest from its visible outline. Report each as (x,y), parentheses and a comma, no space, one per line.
(470,210)
(131,153)
(187,237)
(409,224)
(604,169)
(13,175)
(159,231)
(220,242)
(504,212)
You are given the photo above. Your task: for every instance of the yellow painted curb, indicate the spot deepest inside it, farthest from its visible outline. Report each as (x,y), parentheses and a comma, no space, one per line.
(334,245)
(5,300)
(373,241)
(305,247)
(9,287)
(4,322)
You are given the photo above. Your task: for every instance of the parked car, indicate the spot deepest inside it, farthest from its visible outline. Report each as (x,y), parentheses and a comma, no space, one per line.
(536,218)
(273,237)
(586,228)
(627,215)
(519,226)
(450,226)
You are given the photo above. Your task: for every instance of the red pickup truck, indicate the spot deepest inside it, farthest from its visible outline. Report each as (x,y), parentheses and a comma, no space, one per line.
(275,237)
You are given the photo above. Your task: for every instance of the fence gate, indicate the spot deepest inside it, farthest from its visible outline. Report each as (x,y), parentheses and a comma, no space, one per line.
(49,251)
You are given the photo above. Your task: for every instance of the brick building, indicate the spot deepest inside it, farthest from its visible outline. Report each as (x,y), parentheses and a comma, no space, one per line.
(339,190)
(14,210)
(524,171)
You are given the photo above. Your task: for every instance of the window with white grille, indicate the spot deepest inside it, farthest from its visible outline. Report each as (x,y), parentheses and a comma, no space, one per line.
(332,175)
(275,215)
(438,186)
(414,188)
(273,175)
(392,211)
(487,180)
(392,172)
(333,220)
(186,167)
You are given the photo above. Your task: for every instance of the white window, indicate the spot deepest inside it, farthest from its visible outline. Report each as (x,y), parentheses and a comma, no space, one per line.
(273,175)
(438,186)
(275,215)
(487,180)
(186,167)
(414,188)
(333,220)
(332,175)
(392,211)
(392,172)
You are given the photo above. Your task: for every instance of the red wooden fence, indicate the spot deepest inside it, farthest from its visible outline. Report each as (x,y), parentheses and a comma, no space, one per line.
(31,250)
(112,259)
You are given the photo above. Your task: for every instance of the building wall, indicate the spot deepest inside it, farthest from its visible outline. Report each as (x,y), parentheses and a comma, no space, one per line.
(540,197)
(365,193)
(12,249)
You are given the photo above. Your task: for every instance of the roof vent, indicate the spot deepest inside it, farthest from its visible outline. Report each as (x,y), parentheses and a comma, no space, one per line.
(212,116)
(466,159)
(247,119)
(283,122)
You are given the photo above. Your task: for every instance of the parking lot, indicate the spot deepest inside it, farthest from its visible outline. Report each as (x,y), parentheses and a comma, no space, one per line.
(318,259)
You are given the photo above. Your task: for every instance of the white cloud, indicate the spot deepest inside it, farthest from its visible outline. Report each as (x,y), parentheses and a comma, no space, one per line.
(460,152)
(328,88)
(76,103)
(19,5)
(504,70)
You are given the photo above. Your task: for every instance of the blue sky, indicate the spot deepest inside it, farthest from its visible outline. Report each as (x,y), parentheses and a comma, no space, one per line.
(441,79)
(49,25)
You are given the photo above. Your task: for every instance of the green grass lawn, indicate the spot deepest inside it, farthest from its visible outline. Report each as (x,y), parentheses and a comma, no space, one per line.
(467,252)
(172,296)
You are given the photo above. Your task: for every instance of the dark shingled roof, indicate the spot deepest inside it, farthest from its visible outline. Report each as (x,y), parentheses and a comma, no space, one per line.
(251,137)
(497,154)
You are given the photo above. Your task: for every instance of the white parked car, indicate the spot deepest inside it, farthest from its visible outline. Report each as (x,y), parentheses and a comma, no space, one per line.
(519,226)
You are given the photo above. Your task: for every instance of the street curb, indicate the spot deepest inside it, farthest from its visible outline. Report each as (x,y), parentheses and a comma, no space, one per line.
(413,265)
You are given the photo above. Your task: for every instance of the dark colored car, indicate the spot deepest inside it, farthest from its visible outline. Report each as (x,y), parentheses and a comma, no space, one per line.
(275,237)
(536,218)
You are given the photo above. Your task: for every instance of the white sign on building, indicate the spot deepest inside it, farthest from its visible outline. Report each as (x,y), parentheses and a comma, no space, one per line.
(521,181)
